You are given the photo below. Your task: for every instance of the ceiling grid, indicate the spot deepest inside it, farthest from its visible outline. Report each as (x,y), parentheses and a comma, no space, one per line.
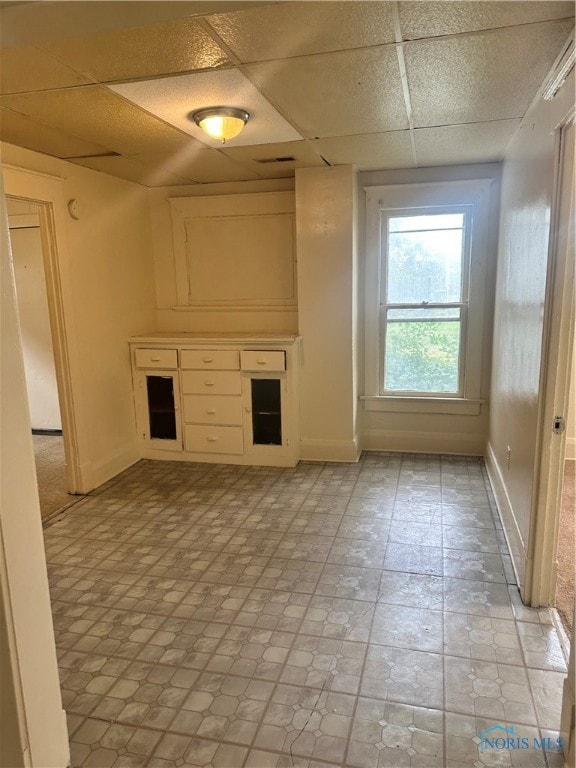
(372,83)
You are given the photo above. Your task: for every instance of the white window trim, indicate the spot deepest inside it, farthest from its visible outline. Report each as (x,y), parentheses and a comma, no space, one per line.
(475,193)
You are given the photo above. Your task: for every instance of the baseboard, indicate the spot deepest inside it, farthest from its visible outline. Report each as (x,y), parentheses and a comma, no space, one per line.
(67,758)
(330,450)
(458,443)
(51,432)
(570,448)
(512,532)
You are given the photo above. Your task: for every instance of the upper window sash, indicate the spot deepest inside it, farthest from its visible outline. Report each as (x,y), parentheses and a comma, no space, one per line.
(392,213)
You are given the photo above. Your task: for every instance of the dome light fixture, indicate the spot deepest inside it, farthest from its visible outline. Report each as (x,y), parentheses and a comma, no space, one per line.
(221,123)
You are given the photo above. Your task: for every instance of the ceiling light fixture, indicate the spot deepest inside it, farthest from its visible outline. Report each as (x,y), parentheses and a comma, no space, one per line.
(221,123)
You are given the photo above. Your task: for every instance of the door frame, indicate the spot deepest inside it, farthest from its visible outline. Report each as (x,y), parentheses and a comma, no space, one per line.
(558,339)
(47,195)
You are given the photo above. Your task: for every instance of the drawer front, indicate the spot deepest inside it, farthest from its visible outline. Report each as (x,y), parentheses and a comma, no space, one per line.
(213,439)
(211,383)
(223,360)
(221,409)
(156,358)
(265,360)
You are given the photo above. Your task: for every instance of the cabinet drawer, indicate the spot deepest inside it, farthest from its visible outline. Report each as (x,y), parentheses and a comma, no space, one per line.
(156,358)
(221,409)
(262,360)
(220,359)
(211,383)
(213,439)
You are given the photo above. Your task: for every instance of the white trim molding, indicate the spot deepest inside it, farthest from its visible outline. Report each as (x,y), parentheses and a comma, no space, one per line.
(516,544)
(473,193)
(459,443)
(450,405)
(561,69)
(329,450)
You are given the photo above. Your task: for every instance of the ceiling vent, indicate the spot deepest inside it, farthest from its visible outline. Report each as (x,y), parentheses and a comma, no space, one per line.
(268,160)
(91,157)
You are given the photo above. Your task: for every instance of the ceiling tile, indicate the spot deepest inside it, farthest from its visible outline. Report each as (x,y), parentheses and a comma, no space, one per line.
(284,30)
(471,143)
(26,23)
(200,165)
(486,76)
(369,151)
(29,69)
(132,170)
(99,116)
(157,49)
(429,19)
(24,132)
(337,94)
(173,98)
(302,152)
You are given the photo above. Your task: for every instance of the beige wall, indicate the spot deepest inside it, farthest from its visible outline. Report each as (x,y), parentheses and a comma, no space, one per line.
(35,326)
(169,319)
(436,433)
(107,282)
(326,243)
(527,188)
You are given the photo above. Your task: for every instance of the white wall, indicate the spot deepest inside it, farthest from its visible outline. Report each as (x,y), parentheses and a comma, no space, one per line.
(527,188)
(107,283)
(326,239)
(434,433)
(35,326)
(199,319)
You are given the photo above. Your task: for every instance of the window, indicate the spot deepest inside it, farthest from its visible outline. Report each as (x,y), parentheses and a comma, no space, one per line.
(424,301)
(425,274)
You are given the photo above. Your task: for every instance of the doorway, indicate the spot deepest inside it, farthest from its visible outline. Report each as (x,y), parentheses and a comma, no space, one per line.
(566,547)
(28,258)
(549,525)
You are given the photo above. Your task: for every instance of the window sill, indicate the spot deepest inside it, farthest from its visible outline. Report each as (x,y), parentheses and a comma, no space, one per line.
(450,405)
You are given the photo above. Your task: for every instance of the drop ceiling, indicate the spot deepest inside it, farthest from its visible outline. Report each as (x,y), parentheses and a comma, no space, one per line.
(379,85)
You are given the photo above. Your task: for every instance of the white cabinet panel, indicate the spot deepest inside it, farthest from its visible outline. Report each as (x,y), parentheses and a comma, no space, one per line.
(219,409)
(217,399)
(206,359)
(211,382)
(262,360)
(213,439)
(156,358)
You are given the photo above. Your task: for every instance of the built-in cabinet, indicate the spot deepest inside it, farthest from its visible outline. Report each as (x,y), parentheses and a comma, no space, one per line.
(220,399)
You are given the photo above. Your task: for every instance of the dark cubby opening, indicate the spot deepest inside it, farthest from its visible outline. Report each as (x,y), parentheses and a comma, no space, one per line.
(161,410)
(266,412)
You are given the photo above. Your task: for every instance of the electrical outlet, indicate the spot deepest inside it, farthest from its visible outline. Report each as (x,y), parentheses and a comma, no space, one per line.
(508,454)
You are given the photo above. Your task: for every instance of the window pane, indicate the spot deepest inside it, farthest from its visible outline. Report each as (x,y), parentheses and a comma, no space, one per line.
(422,350)
(424,265)
(433,221)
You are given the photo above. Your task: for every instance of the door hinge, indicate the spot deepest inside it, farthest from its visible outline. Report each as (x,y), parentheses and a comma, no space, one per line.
(559,425)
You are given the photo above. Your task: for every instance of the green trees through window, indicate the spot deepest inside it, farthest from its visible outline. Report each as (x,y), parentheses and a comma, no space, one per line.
(423,302)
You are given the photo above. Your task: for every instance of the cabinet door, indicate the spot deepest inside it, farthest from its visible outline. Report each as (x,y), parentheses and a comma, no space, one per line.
(266,419)
(158,409)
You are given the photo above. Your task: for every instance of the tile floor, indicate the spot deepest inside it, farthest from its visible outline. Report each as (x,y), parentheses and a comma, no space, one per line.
(329,615)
